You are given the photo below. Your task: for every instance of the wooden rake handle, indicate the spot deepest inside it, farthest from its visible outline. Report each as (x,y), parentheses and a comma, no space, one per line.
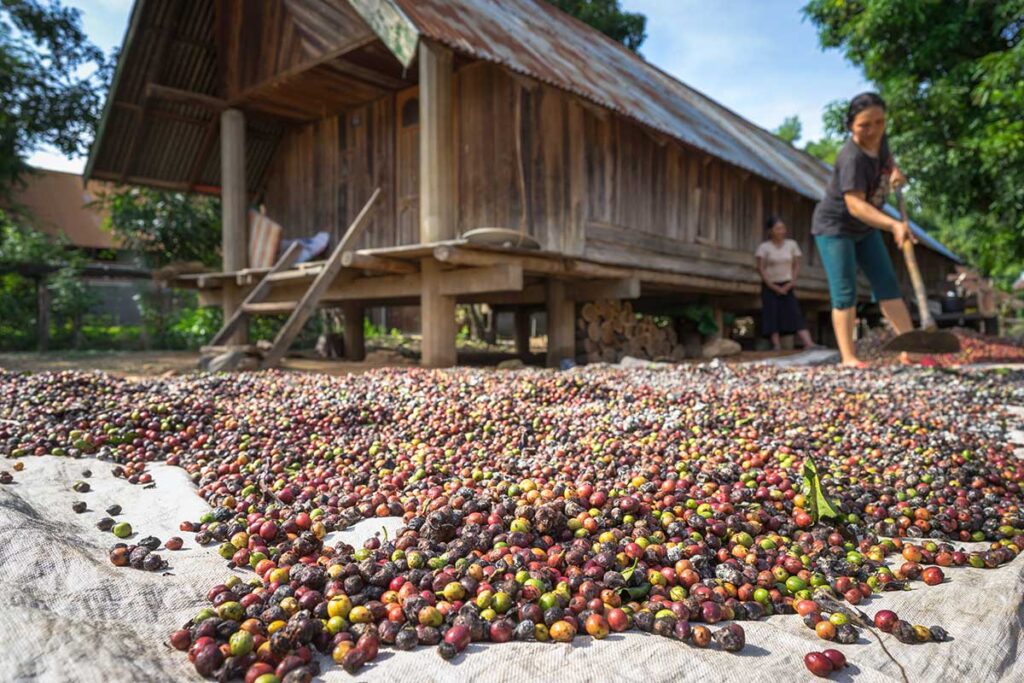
(915,273)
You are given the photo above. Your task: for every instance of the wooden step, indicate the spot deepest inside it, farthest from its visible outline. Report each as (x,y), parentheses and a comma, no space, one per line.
(211,350)
(270,308)
(295,274)
(302,309)
(258,294)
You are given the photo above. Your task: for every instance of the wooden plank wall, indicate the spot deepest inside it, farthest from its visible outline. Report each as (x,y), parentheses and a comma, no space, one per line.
(581,181)
(324,172)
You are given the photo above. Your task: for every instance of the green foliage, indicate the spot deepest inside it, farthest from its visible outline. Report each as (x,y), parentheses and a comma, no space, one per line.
(173,319)
(20,244)
(789,130)
(825,149)
(833,119)
(165,227)
(52,83)
(703,315)
(192,327)
(608,17)
(818,504)
(17,312)
(71,297)
(828,146)
(371,331)
(951,73)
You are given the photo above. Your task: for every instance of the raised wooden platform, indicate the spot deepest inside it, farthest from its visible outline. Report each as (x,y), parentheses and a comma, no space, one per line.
(474,273)
(455,271)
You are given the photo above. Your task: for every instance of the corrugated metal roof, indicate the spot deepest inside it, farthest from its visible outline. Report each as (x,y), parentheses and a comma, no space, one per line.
(170,42)
(535,39)
(924,238)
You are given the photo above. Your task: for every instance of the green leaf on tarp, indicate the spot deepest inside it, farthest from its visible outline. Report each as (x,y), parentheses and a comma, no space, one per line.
(628,573)
(820,506)
(635,592)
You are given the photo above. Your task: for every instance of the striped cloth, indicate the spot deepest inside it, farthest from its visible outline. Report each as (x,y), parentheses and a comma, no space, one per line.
(264,240)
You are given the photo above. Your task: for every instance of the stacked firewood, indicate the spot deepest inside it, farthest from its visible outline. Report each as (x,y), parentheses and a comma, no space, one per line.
(609,330)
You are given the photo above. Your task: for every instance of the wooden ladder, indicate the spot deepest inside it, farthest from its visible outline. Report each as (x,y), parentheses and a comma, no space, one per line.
(300,310)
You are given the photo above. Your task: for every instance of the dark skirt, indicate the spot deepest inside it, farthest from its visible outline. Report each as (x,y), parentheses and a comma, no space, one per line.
(780,313)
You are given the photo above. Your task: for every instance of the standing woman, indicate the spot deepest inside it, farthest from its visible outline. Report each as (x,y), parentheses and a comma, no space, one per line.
(848,222)
(778,261)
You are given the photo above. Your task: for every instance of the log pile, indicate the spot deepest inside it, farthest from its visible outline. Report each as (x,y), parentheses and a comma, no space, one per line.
(609,330)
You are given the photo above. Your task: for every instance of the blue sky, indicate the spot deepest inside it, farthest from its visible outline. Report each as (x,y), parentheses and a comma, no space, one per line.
(757,57)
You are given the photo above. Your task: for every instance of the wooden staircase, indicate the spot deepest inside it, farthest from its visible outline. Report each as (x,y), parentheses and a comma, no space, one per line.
(300,311)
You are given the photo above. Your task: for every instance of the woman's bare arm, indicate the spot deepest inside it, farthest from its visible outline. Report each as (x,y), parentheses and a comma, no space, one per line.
(861,209)
(796,273)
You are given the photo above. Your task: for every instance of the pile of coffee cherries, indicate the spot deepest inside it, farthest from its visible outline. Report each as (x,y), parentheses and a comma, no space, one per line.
(547,506)
(974,348)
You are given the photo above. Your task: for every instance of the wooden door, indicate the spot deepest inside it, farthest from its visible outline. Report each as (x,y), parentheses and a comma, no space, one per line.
(407,166)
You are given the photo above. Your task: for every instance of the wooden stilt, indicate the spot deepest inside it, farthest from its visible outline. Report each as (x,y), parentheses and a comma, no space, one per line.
(437,200)
(561,324)
(355,343)
(522,323)
(437,144)
(437,316)
(233,215)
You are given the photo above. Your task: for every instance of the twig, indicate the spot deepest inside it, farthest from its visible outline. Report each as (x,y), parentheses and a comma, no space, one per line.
(903,673)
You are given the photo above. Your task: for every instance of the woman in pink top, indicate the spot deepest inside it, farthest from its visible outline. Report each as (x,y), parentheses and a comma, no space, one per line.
(778,261)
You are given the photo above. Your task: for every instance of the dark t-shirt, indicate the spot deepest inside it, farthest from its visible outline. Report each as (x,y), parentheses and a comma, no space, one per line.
(855,170)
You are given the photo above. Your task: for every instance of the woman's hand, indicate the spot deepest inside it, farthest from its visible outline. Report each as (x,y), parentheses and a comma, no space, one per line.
(901,232)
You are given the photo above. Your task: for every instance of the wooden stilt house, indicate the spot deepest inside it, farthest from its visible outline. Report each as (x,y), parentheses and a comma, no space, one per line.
(465,114)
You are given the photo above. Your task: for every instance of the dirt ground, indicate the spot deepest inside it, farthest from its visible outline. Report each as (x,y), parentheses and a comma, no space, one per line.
(157,363)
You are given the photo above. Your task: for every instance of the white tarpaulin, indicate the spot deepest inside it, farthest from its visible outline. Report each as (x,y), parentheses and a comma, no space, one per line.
(68,614)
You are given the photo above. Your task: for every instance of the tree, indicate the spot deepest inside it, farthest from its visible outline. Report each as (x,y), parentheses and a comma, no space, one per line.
(59,268)
(607,16)
(828,146)
(165,227)
(52,83)
(951,73)
(789,129)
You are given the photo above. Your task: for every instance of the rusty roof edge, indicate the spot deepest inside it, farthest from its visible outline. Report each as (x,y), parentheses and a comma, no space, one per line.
(392,25)
(126,44)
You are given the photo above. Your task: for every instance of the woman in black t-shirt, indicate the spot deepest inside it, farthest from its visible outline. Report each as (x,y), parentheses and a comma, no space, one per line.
(848,219)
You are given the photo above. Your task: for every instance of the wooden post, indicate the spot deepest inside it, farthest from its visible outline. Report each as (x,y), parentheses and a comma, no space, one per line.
(437,144)
(522,322)
(720,323)
(234,242)
(561,324)
(437,319)
(42,314)
(355,342)
(437,200)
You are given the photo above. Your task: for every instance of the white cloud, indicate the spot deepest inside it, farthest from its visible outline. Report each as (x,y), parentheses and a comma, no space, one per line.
(55,161)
